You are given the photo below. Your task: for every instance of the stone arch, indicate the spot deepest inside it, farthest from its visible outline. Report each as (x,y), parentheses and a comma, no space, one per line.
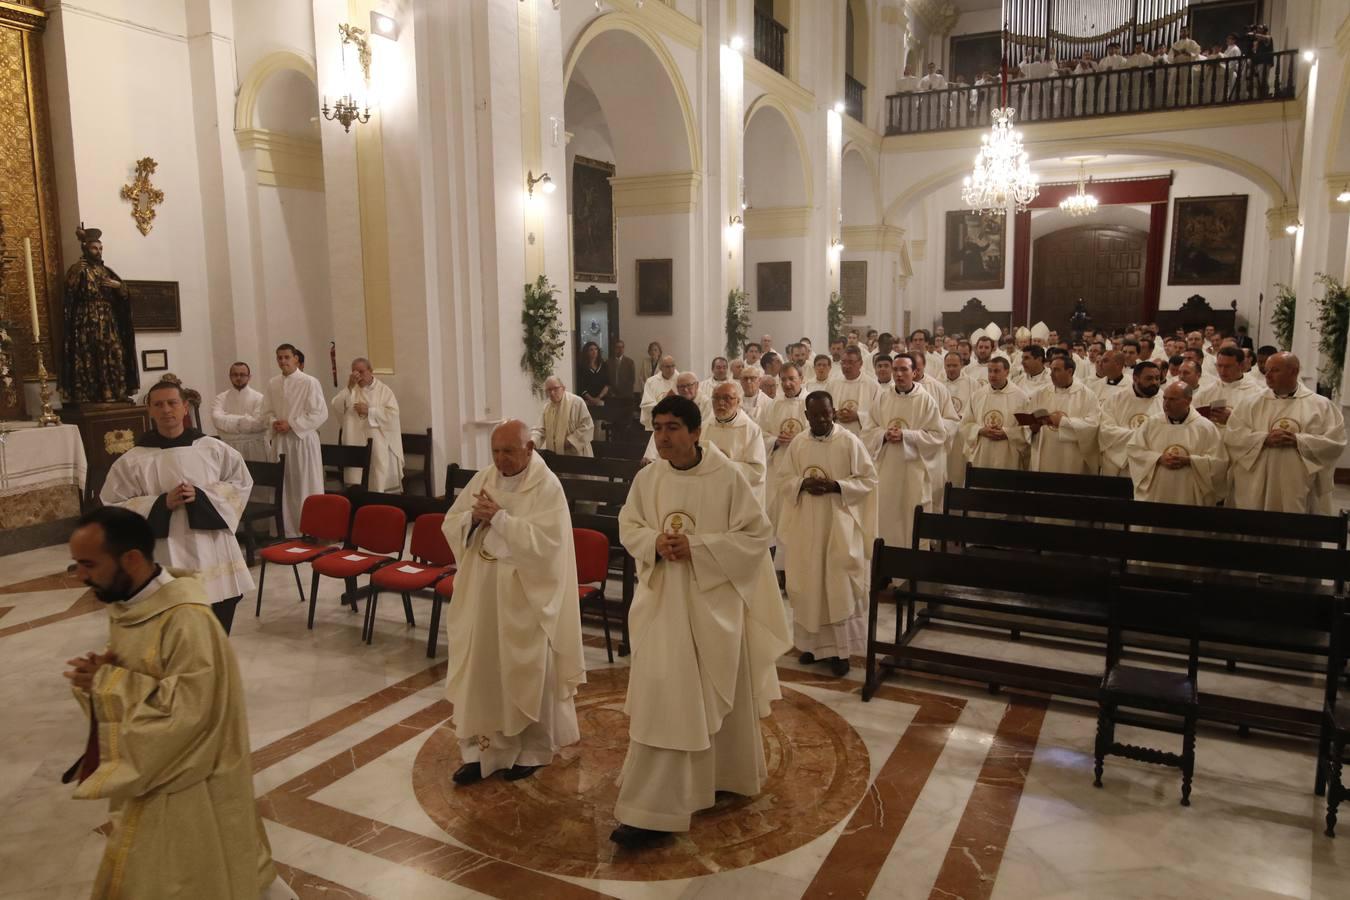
(860,194)
(251,88)
(769,101)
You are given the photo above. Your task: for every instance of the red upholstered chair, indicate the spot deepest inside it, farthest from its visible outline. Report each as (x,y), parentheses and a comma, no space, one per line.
(323,529)
(444,591)
(377,532)
(431,561)
(592,550)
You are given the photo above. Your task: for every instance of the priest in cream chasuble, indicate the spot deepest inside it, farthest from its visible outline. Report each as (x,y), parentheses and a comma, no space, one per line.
(829,521)
(707,626)
(1068,443)
(1122,414)
(514,628)
(1178,456)
(1283,444)
(907,435)
(989,434)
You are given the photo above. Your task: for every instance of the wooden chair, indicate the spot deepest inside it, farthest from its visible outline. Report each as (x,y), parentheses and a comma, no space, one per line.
(1335,732)
(341,457)
(431,561)
(377,537)
(1170,699)
(324,523)
(456,480)
(1049,483)
(418,445)
(265,475)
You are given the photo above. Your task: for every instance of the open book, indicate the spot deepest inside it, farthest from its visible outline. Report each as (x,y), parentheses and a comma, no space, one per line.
(1034,419)
(1207,411)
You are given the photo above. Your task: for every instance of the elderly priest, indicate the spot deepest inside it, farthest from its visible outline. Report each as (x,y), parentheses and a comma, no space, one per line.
(369,411)
(1283,444)
(565,425)
(707,626)
(738,437)
(514,630)
(828,522)
(1178,456)
(168,737)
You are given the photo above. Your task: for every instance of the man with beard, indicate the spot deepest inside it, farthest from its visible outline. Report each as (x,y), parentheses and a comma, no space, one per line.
(237,415)
(978,370)
(1123,413)
(99,363)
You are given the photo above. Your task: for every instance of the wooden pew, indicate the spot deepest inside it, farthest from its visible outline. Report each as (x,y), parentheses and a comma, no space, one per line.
(620,449)
(456,480)
(1049,483)
(618,470)
(418,444)
(341,456)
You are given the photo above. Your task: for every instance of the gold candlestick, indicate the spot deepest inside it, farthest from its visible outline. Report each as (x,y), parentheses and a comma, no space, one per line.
(48,417)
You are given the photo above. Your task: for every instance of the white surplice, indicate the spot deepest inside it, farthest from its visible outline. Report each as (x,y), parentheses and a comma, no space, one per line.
(784,416)
(298,399)
(829,539)
(991,408)
(706,635)
(1102,388)
(904,467)
(237,418)
(1202,483)
(1229,393)
(1071,447)
(140,478)
(1285,479)
(514,628)
(565,427)
(962,391)
(381,426)
(1122,413)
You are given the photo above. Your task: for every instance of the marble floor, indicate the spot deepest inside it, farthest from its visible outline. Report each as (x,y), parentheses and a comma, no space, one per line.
(932,789)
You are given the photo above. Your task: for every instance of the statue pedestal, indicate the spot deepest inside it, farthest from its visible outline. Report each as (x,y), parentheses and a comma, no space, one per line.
(107,430)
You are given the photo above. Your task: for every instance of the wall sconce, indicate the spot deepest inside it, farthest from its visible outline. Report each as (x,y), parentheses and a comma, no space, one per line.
(736,224)
(1294,227)
(1344,195)
(1309,55)
(386,26)
(346,110)
(544,181)
(736,43)
(836,246)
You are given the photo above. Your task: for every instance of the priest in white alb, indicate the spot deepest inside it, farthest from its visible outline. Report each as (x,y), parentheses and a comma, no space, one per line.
(1228,389)
(1283,444)
(1178,456)
(781,421)
(294,408)
(193,489)
(514,628)
(990,435)
(738,437)
(687,386)
(236,414)
(962,390)
(707,627)
(659,386)
(1122,413)
(951,419)
(1067,441)
(565,425)
(907,436)
(828,521)
(369,412)
(853,392)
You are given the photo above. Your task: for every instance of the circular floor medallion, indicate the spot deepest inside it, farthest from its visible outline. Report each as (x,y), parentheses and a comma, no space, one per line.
(559,819)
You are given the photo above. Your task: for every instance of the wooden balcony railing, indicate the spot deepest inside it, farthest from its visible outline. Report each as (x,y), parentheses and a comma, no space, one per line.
(770,42)
(1194,85)
(853,97)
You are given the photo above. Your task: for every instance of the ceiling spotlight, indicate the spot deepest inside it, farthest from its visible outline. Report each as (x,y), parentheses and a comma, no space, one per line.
(383,25)
(544,181)
(737,43)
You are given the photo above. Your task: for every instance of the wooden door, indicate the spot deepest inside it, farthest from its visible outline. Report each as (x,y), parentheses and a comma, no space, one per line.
(1103,264)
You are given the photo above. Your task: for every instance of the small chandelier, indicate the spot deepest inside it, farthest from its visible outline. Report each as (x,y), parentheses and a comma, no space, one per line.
(1081,203)
(346,109)
(1002,175)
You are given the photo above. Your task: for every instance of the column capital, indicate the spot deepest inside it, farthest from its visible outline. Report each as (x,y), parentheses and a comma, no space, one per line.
(1280,217)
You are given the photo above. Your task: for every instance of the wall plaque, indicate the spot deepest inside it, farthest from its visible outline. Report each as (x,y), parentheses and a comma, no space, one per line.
(774,283)
(154,305)
(853,286)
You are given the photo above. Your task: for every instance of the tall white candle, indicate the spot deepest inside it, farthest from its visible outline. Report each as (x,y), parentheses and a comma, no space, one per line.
(32,290)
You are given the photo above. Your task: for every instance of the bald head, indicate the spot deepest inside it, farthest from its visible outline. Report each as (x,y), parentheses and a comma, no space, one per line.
(1176,400)
(667,366)
(1282,373)
(511,447)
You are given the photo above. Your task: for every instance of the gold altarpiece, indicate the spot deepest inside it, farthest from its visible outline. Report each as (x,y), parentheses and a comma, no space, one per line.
(27,187)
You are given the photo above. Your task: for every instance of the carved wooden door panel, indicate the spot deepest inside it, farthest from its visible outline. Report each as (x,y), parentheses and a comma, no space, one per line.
(1103,264)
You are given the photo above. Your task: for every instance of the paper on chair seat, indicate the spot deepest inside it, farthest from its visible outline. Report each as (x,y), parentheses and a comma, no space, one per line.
(354,557)
(411,570)
(298,549)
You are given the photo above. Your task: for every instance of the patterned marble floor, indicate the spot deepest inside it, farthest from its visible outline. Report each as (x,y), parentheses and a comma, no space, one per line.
(933,789)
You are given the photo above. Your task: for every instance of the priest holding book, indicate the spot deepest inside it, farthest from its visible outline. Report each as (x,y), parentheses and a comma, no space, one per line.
(1064,433)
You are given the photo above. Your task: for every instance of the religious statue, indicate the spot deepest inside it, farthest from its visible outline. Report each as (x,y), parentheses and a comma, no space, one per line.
(1080,319)
(100,345)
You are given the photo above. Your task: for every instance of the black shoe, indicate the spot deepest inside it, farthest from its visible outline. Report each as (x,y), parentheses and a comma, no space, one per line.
(807,658)
(838,666)
(469,773)
(630,837)
(515,773)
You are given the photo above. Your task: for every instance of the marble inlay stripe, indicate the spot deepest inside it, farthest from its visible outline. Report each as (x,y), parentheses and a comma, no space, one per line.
(855,860)
(58,582)
(83,605)
(312,887)
(331,724)
(976,850)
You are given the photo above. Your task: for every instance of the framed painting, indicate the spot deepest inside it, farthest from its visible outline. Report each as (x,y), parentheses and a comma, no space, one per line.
(974,259)
(155,360)
(853,286)
(593,238)
(154,305)
(655,287)
(773,281)
(1208,234)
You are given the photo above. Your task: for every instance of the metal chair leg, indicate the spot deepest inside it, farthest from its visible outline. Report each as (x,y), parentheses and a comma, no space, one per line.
(368,624)
(313,598)
(262,573)
(604,619)
(408,610)
(435,629)
(295,570)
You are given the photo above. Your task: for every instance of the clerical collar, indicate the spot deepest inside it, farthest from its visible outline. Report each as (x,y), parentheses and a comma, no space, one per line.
(1115,381)
(727,421)
(697,459)
(1288,396)
(157,581)
(1181,421)
(158,441)
(910,391)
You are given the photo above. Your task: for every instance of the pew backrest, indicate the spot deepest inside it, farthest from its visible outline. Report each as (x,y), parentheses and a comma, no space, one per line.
(622,470)
(1049,482)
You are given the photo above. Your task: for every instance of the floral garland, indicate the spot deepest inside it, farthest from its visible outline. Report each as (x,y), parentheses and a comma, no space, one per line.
(1333,320)
(738,321)
(1282,316)
(834,316)
(544,340)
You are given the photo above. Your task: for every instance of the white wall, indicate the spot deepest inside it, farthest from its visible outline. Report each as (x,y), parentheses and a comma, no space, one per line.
(787,326)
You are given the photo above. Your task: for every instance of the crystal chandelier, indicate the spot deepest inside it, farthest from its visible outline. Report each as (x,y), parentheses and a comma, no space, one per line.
(1002,175)
(1081,203)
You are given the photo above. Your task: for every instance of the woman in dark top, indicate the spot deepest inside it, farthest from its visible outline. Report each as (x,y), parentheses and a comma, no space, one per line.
(594,386)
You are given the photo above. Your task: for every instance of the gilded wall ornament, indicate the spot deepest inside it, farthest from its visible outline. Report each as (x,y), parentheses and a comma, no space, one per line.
(143,195)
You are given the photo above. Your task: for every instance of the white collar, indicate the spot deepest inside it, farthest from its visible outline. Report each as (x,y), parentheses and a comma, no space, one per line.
(162,577)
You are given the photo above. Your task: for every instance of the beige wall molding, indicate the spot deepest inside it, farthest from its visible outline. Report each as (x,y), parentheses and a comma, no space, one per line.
(1278,218)
(656,195)
(778,86)
(284,160)
(777,222)
(664,19)
(863,238)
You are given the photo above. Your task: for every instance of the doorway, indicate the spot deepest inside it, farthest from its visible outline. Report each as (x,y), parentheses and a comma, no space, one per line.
(1103,265)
